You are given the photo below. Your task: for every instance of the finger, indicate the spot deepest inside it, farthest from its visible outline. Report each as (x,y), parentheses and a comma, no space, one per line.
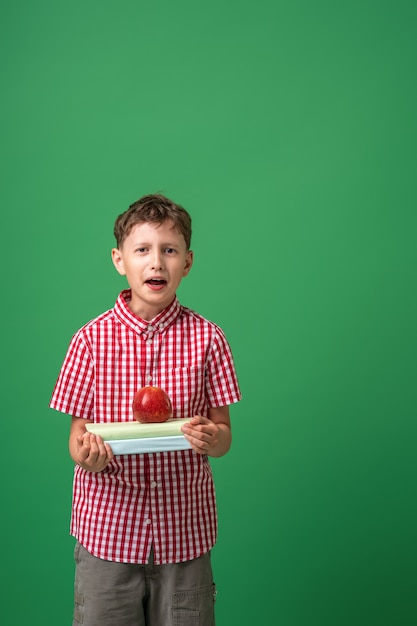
(200,419)
(197,430)
(109,452)
(94,449)
(102,450)
(199,445)
(84,446)
(195,420)
(204,433)
(99,451)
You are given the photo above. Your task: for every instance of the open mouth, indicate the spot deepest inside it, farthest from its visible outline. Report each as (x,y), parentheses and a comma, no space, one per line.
(156,282)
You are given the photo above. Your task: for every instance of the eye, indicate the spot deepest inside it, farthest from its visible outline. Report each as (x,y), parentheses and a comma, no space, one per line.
(170,250)
(141,249)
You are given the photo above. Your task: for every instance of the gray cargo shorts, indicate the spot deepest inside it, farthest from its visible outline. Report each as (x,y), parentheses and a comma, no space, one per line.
(123,594)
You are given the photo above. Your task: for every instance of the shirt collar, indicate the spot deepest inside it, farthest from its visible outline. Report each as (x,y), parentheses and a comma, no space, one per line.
(139,325)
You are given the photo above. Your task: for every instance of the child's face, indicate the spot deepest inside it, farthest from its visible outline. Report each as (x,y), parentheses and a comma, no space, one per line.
(154,258)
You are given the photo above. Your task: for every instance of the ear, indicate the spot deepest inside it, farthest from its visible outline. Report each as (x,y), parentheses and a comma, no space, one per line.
(188,262)
(117,258)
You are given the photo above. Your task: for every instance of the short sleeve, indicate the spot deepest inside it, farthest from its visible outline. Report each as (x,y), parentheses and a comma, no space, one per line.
(74,388)
(222,386)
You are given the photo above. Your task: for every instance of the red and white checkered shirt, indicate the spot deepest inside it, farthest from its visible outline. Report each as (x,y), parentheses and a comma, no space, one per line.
(164,499)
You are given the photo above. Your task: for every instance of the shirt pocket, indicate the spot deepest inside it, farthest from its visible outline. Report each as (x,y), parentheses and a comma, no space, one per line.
(186,388)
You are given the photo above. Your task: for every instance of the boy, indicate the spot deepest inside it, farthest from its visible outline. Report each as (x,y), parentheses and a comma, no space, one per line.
(145,523)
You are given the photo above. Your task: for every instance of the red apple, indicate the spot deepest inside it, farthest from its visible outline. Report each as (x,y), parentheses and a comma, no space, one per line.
(151,404)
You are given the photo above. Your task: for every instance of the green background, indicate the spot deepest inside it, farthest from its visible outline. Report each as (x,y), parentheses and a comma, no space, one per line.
(288,130)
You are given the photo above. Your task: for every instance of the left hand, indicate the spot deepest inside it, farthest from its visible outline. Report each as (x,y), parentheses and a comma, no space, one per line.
(202,433)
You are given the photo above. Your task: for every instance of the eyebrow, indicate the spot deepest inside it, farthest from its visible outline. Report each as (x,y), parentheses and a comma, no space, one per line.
(166,244)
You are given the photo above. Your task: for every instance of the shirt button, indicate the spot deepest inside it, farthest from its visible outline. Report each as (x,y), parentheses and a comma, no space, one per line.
(153,484)
(149,379)
(147,522)
(149,341)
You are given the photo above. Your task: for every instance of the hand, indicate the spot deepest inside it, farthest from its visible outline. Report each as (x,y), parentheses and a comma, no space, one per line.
(92,453)
(202,433)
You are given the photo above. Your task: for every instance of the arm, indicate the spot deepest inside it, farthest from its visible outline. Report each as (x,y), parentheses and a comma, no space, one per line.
(88,450)
(210,435)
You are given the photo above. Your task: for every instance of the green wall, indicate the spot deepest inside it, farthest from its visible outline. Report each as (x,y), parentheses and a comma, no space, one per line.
(288,129)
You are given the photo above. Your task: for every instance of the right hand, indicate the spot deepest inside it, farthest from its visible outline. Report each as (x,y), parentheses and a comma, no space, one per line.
(92,453)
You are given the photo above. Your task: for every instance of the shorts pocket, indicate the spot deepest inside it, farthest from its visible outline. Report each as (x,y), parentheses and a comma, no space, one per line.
(78,608)
(77,552)
(194,607)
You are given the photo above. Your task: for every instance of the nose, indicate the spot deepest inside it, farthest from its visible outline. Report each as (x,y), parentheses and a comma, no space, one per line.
(156,262)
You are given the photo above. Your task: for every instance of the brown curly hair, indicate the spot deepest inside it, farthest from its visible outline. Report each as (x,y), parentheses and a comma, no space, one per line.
(155,209)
